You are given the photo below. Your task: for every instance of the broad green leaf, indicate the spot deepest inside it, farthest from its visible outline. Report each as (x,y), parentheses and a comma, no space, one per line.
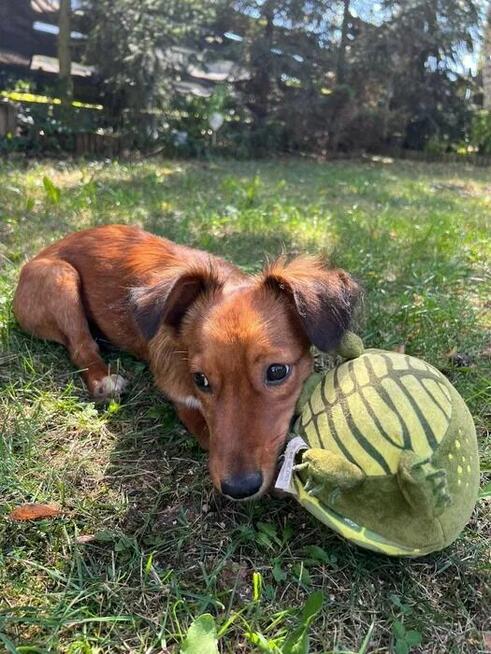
(269,530)
(201,637)
(302,573)
(413,637)
(318,554)
(398,629)
(298,643)
(265,645)
(395,599)
(486,491)
(312,606)
(52,191)
(278,573)
(264,539)
(401,647)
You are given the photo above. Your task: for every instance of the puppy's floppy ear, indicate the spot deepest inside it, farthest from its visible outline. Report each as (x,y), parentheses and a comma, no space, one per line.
(323,299)
(168,301)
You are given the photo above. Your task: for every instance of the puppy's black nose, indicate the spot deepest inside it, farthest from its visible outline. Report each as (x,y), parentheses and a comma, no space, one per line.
(243,485)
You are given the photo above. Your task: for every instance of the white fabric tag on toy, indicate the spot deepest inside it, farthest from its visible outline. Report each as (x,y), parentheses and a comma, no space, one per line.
(284,479)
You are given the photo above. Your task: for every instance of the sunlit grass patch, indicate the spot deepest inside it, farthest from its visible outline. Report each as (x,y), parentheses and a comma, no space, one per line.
(144,545)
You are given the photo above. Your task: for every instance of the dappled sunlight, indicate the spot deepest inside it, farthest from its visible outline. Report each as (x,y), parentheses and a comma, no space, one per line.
(392,226)
(142,527)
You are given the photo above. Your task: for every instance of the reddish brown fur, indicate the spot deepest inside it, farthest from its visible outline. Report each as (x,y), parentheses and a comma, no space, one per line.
(185,311)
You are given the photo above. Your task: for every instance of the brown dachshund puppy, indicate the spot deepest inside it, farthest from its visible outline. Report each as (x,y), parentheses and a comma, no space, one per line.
(231,351)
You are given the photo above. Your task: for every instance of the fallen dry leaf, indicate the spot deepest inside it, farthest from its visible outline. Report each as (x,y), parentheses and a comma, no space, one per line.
(234,574)
(35,512)
(390,276)
(486,352)
(85,538)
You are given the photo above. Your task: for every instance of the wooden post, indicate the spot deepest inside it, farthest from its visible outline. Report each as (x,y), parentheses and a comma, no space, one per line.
(8,118)
(64,52)
(341,62)
(486,64)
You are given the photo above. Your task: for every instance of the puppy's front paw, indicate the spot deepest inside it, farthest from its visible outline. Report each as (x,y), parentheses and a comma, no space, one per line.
(109,386)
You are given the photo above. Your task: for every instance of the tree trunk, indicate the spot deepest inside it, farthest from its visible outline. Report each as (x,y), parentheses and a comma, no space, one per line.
(343,105)
(341,63)
(263,72)
(64,53)
(486,67)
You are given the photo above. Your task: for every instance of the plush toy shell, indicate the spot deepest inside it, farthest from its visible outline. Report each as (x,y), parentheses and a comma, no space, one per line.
(393,463)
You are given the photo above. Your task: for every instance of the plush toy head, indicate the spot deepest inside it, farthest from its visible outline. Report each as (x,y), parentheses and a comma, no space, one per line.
(390,455)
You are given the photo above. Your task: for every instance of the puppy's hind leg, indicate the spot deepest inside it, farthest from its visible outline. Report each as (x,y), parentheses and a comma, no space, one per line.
(48,304)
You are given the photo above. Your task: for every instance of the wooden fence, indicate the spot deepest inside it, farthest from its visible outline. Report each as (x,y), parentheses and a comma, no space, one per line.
(88,143)
(446,157)
(8,118)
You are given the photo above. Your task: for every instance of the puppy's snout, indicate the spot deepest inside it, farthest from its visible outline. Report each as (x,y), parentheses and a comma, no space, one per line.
(241,486)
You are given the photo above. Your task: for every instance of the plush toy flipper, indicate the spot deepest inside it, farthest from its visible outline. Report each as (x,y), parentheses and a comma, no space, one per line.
(327,470)
(349,529)
(423,485)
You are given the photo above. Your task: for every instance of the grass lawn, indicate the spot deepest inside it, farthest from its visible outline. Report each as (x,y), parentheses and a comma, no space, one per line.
(159,547)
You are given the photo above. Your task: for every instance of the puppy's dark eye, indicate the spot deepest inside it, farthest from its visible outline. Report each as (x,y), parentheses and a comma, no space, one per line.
(277,372)
(202,382)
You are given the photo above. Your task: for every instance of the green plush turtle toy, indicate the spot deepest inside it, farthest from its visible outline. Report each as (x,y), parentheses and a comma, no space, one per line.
(384,452)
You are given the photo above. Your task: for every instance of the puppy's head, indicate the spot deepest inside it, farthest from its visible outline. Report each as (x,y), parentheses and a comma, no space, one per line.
(245,350)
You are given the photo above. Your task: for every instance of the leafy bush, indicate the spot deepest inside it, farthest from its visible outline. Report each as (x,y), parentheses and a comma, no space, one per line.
(436,145)
(481,131)
(44,125)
